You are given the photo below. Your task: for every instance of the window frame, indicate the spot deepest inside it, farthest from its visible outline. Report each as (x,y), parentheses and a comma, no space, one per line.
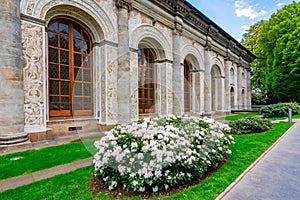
(86,70)
(149,66)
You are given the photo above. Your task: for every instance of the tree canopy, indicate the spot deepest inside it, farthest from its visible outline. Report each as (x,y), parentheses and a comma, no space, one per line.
(276,43)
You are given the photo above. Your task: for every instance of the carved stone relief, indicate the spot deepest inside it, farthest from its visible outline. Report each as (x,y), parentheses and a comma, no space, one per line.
(33,70)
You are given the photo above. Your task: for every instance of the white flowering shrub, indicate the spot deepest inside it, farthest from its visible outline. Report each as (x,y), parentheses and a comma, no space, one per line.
(160,153)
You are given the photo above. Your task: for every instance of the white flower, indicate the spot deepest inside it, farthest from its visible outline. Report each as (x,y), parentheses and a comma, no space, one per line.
(134,145)
(142,189)
(140,156)
(105,179)
(135,183)
(155,189)
(121,169)
(166,186)
(157,173)
(229,151)
(131,160)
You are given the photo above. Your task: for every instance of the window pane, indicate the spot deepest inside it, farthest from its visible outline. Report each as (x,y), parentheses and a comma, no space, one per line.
(64,41)
(77,104)
(64,28)
(64,72)
(54,87)
(87,61)
(53,55)
(77,45)
(77,74)
(54,27)
(87,89)
(87,104)
(77,60)
(140,92)
(148,104)
(54,103)
(78,89)
(64,88)
(86,75)
(76,32)
(64,57)
(86,47)
(53,71)
(85,36)
(53,39)
(65,103)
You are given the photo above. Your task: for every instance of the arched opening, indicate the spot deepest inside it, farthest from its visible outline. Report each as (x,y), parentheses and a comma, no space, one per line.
(232,98)
(146,80)
(187,86)
(216,88)
(69,69)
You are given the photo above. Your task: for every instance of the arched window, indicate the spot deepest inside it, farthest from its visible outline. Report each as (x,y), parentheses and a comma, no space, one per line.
(216,88)
(69,69)
(146,80)
(187,86)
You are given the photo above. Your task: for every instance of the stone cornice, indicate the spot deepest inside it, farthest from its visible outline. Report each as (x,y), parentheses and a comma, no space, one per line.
(33,20)
(197,20)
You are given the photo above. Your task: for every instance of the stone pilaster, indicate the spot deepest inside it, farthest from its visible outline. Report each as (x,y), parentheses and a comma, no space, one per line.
(249,99)
(123,85)
(11,79)
(227,104)
(239,87)
(178,97)
(207,83)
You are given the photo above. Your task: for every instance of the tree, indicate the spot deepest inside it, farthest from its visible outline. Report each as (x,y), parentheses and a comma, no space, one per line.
(276,44)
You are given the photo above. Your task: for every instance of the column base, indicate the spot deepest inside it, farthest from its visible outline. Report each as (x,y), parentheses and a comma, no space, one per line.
(8,142)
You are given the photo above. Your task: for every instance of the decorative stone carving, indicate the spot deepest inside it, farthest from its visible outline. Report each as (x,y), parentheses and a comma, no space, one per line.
(124,4)
(33,72)
(30,6)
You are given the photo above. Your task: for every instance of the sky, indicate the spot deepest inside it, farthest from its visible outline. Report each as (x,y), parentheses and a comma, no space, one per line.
(235,16)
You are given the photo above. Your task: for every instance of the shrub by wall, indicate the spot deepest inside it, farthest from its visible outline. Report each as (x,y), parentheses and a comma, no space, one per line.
(280,109)
(157,154)
(250,125)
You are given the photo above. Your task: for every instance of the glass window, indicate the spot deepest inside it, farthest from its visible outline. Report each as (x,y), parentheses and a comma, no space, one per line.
(146,80)
(69,70)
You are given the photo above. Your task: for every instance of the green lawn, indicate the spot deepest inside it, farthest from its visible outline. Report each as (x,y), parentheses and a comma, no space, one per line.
(34,160)
(283,118)
(75,185)
(238,116)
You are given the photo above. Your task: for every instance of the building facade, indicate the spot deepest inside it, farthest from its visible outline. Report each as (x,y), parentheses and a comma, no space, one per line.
(72,64)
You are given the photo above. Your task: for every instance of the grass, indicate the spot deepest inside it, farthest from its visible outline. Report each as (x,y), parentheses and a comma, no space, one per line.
(34,160)
(283,118)
(238,116)
(75,185)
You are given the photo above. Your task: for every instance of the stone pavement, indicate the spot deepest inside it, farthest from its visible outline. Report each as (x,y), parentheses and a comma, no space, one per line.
(274,176)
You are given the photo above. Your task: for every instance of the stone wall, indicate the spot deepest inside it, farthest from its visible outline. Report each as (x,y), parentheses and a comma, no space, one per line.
(118,28)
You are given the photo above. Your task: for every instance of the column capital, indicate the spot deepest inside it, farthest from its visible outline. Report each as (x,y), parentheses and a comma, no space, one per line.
(127,4)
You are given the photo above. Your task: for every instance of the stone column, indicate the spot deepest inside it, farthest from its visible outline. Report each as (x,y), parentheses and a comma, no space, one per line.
(227,85)
(249,100)
(207,83)
(11,78)
(178,97)
(123,85)
(239,87)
